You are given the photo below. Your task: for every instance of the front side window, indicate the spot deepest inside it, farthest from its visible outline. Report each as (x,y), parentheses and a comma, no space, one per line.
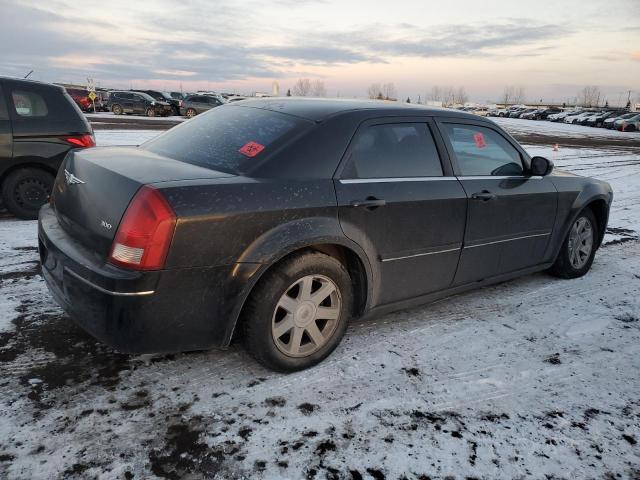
(481,151)
(394,151)
(29,104)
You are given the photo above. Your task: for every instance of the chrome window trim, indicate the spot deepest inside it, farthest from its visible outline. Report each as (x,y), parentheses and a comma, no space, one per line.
(391,179)
(420,254)
(509,240)
(433,179)
(498,177)
(104,290)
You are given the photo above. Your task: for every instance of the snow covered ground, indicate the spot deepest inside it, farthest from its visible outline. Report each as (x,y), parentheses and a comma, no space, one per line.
(537,377)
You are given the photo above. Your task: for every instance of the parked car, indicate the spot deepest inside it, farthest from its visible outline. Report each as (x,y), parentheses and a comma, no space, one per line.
(598,119)
(195,104)
(137,103)
(236,98)
(39,124)
(530,114)
(280,221)
(610,122)
(516,113)
(544,113)
(164,97)
(628,124)
(576,118)
(177,95)
(81,97)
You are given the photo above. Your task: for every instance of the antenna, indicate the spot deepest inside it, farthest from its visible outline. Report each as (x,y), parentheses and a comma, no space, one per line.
(27,75)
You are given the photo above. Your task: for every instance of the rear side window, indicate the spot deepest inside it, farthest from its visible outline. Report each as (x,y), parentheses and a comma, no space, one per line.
(394,151)
(29,104)
(231,139)
(4,113)
(482,151)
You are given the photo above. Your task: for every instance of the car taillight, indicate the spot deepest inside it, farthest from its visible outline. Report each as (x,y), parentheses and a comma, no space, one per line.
(82,141)
(145,232)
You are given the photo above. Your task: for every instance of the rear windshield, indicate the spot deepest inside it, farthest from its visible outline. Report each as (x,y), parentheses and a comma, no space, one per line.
(230,138)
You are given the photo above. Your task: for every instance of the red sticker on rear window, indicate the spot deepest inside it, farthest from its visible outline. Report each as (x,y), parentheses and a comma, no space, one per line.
(251,149)
(479,139)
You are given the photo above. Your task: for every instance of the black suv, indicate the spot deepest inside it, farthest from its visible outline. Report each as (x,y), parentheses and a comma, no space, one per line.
(164,97)
(39,124)
(137,102)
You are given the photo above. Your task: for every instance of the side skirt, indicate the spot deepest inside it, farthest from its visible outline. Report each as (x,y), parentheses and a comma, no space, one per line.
(431,297)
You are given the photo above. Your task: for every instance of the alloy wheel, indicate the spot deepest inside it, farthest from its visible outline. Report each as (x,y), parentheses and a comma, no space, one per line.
(580,242)
(306,316)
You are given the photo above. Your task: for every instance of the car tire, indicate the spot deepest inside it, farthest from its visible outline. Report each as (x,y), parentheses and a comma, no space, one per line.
(117,109)
(295,336)
(571,264)
(190,113)
(150,112)
(25,190)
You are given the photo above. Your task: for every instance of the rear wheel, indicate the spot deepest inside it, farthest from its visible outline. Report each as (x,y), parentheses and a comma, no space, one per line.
(190,113)
(298,312)
(25,190)
(117,109)
(579,247)
(151,112)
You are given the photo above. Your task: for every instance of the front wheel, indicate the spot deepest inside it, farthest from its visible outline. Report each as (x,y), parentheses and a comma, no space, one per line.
(298,313)
(578,249)
(25,190)
(151,112)
(117,109)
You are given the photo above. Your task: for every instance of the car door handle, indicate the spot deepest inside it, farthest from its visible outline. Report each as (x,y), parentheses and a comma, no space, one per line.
(484,195)
(370,203)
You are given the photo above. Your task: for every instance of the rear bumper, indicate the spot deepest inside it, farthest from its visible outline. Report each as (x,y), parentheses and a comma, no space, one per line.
(137,312)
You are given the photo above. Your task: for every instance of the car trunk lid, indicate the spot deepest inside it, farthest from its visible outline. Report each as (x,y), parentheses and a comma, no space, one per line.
(94,188)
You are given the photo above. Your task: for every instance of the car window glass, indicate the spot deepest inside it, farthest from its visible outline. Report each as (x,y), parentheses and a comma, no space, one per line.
(230,139)
(483,151)
(29,104)
(394,151)
(4,113)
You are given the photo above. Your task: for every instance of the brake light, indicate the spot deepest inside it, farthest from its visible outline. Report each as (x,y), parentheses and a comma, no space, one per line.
(145,232)
(82,141)
(179,103)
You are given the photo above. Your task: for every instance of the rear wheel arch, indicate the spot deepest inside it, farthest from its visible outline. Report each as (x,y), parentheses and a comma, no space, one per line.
(18,166)
(355,263)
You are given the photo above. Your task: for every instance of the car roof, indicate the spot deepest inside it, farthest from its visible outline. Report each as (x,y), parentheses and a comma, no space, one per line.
(25,81)
(319,109)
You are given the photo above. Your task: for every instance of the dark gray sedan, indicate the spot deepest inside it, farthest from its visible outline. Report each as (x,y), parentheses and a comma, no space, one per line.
(277,221)
(195,104)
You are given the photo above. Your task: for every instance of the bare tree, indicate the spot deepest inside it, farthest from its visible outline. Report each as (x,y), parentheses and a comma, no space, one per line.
(318,89)
(589,96)
(373,90)
(461,96)
(302,88)
(513,94)
(436,94)
(389,91)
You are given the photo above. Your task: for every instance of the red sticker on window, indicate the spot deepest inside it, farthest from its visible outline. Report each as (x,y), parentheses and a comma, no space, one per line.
(251,149)
(479,139)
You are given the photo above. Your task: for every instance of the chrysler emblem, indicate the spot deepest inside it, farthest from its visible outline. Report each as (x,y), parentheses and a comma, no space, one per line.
(71,178)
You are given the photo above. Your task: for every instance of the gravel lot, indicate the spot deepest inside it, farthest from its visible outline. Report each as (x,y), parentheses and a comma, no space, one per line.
(536,378)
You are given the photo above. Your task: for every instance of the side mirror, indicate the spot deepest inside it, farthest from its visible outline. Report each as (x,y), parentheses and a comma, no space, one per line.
(541,166)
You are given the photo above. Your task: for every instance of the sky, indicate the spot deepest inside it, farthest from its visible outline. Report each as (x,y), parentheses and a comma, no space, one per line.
(550,48)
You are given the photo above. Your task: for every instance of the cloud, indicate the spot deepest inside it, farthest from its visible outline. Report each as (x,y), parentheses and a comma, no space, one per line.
(237,45)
